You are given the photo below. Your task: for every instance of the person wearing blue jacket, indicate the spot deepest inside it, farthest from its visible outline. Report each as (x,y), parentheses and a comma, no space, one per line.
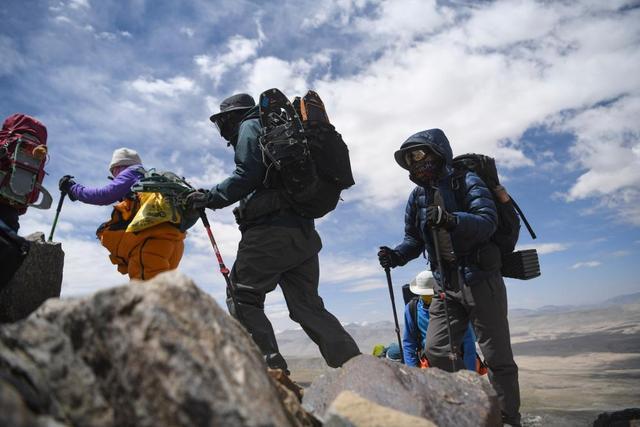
(278,245)
(415,334)
(460,211)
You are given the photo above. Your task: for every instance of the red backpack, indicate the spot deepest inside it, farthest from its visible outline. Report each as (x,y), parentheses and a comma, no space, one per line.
(23,153)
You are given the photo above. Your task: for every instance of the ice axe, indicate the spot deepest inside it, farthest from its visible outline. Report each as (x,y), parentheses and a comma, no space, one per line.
(387,271)
(58,209)
(231,289)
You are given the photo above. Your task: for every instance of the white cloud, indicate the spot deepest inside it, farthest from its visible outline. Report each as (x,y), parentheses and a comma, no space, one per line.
(607,148)
(187,31)
(366,286)
(620,254)
(12,60)
(586,264)
(545,248)
(166,88)
(239,50)
(344,268)
(79,4)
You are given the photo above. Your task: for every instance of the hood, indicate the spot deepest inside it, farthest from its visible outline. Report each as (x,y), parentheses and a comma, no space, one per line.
(18,123)
(433,139)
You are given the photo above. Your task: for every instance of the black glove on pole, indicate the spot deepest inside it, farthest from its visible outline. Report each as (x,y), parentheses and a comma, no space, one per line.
(395,314)
(443,296)
(231,289)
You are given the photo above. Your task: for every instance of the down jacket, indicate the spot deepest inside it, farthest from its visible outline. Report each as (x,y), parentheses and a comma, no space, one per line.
(477,215)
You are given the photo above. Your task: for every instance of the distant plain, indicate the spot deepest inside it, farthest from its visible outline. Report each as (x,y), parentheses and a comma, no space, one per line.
(574,362)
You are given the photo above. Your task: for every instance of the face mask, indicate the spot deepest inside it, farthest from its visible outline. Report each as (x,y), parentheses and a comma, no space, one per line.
(427,299)
(228,126)
(426,170)
(424,166)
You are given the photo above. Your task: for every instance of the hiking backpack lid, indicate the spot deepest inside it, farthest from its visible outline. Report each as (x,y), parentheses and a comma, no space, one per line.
(23,154)
(162,195)
(522,265)
(305,157)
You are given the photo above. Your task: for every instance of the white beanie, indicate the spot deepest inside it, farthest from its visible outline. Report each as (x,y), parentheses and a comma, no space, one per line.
(124,157)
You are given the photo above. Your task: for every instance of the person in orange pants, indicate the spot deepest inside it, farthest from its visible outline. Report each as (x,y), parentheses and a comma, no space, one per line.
(140,254)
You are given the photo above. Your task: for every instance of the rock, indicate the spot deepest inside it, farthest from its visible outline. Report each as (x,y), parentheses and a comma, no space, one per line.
(459,399)
(14,411)
(151,353)
(38,278)
(624,418)
(351,410)
(291,395)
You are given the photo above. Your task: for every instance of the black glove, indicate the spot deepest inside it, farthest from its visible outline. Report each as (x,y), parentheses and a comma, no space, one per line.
(65,184)
(388,257)
(197,200)
(438,217)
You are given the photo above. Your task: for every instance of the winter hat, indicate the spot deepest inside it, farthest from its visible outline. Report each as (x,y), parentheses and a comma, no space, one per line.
(124,157)
(423,284)
(393,352)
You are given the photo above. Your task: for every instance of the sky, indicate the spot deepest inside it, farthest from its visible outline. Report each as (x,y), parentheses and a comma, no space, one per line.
(550,89)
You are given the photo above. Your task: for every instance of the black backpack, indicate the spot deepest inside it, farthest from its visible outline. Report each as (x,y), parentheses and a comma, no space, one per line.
(306,158)
(520,264)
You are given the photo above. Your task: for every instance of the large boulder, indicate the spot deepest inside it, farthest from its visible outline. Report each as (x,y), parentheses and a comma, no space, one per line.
(38,278)
(151,353)
(459,399)
(351,410)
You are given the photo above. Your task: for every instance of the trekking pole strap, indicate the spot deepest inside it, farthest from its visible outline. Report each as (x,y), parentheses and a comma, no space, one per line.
(55,220)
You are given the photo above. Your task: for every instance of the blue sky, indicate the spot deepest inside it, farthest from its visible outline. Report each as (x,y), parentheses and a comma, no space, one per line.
(551,89)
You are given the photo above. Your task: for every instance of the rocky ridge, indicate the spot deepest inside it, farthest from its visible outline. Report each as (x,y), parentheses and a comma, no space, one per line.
(163,352)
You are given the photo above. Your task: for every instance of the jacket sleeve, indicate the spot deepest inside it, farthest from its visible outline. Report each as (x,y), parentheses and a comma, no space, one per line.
(114,191)
(249,172)
(412,245)
(409,344)
(469,349)
(479,219)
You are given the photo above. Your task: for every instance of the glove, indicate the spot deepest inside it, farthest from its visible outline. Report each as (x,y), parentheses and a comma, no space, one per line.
(388,258)
(65,184)
(197,200)
(438,217)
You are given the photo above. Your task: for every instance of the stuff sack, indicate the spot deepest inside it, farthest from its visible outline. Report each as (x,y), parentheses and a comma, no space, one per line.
(509,214)
(160,196)
(305,157)
(23,154)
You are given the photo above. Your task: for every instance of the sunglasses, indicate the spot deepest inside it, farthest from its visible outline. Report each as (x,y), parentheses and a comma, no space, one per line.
(415,156)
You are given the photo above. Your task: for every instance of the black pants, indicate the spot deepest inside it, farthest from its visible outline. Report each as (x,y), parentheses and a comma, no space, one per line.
(13,248)
(288,256)
(485,305)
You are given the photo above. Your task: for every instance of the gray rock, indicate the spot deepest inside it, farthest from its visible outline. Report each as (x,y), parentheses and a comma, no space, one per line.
(38,278)
(351,410)
(14,411)
(151,353)
(459,399)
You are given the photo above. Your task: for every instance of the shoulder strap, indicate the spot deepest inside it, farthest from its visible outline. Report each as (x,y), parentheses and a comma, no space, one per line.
(413,312)
(459,186)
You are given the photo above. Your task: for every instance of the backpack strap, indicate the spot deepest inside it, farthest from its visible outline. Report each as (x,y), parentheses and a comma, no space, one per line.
(413,312)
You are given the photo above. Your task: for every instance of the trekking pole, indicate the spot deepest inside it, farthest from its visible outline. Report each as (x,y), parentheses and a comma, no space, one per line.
(223,268)
(443,295)
(387,271)
(58,209)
